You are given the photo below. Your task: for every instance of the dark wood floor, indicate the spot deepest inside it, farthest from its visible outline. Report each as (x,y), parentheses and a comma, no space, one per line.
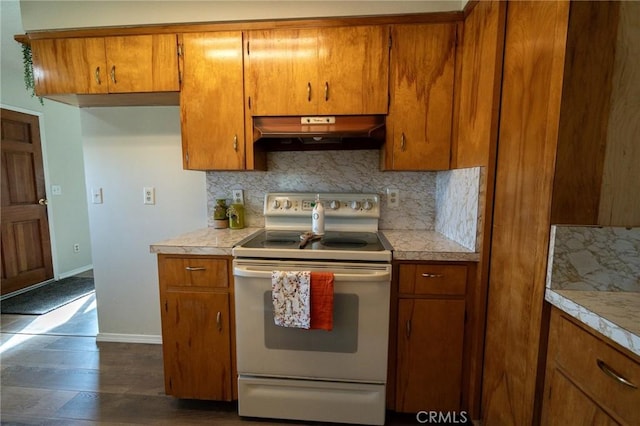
(53,372)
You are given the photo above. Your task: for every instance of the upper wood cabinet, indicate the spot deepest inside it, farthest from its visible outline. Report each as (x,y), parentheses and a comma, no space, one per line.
(212,101)
(321,71)
(421,88)
(97,65)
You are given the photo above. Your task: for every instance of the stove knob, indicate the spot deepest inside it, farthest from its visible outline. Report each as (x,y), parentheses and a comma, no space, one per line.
(368,205)
(287,204)
(334,205)
(276,204)
(355,205)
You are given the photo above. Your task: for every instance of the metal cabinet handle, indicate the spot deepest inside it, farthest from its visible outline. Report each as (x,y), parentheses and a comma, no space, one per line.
(219,320)
(113,74)
(614,375)
(326,91)
(408,328)
(428,275)
(309,92)
(235,143)
(97,75)
(402,142)
(196,268)
(43,201)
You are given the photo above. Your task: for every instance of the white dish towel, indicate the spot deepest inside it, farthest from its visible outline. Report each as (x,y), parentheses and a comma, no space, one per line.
(290,292)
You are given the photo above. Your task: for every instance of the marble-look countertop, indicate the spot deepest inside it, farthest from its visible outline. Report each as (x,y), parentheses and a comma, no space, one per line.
(209,241)
(427,245)
(407,245)
(615,314)
(593,274)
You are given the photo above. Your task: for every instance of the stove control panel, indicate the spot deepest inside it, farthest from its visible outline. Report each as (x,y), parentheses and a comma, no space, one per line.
(300,204)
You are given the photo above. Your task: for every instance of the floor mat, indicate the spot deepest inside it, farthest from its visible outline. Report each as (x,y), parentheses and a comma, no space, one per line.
(48,297)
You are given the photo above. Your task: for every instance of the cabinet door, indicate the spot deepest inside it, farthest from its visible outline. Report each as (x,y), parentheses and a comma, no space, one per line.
(145,63)
(281,71)
(212,101)
(430,348)
(353,70)
(65,66)
(420,115)
(196,345)
(565,405)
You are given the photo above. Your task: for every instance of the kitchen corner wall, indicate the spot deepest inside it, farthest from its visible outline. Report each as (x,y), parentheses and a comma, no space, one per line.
(443,201)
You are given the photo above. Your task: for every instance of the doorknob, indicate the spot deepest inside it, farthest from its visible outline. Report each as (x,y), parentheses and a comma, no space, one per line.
(43,201)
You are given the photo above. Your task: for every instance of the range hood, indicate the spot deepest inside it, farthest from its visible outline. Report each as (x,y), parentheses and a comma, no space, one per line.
(319,132)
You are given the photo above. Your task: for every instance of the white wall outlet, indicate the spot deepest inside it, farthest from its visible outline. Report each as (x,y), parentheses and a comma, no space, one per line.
(237,196)
(393,197)
(76,248)
(149,193)
(56,190)
(96,195)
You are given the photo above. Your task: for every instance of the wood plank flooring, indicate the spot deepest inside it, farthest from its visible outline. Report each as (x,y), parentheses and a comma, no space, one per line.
(54,373)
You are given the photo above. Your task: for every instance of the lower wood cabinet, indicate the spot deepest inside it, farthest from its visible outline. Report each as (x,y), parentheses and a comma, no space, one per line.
(197,326)
(589,380)
(426,360)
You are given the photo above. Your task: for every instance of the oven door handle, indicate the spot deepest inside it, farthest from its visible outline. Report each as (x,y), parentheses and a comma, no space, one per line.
(243,271)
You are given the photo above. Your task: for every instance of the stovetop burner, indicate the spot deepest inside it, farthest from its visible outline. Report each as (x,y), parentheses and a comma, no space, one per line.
(332,240)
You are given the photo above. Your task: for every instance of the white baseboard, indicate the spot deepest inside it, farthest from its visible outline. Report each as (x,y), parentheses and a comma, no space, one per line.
(129,338)
(75,271)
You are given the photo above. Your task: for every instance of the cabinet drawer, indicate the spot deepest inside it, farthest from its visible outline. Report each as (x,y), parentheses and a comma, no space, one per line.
(194,271)
(591,363)
(433,279)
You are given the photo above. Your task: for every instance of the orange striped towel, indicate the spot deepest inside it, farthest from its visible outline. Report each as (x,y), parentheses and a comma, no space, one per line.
(322,300)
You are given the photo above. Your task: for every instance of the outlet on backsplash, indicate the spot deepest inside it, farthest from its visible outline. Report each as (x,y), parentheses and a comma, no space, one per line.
(237,196)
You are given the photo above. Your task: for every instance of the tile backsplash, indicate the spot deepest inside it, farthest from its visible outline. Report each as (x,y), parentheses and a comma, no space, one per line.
(359,171)
(594,258)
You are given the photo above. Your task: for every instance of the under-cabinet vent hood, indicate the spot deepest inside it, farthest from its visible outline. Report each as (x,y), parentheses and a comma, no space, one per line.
(319,132)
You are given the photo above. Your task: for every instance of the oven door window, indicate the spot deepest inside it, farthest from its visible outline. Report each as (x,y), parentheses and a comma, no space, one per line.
(342,339)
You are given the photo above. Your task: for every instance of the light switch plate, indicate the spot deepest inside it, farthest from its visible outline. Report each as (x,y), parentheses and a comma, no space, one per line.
(96,195)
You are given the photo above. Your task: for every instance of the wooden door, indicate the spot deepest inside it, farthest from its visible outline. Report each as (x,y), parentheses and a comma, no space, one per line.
(72,65)
(353,73)
(26,247)
(420,115)
(145,63)
(212,101)
(430,348)
(281,71)
(196,345)
(565,404)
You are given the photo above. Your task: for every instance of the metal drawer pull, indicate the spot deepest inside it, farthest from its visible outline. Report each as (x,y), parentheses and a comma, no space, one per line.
(219,320)
(309,92)
(113,74)
(408,328)
(97,75)
(197,268)
(612,373)
(326,91)
(428,275)
(402,142)
(235,143)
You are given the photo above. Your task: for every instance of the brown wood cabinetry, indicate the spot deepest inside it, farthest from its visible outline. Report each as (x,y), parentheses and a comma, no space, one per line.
(99,65)
(421,88)
(430,334)
(197,326)
(211,101)
(317,71)
(585,378)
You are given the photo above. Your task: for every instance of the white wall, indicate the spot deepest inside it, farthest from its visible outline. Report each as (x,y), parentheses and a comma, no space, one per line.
(54,14)
(126,149)
(62,149)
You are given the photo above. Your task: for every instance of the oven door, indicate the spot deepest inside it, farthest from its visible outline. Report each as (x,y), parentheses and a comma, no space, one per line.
(354,351)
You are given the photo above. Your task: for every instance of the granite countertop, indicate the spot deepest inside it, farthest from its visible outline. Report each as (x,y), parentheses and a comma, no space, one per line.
(594,276)
(407,245)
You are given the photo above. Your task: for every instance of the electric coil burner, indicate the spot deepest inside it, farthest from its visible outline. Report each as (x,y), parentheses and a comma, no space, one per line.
(315,375)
